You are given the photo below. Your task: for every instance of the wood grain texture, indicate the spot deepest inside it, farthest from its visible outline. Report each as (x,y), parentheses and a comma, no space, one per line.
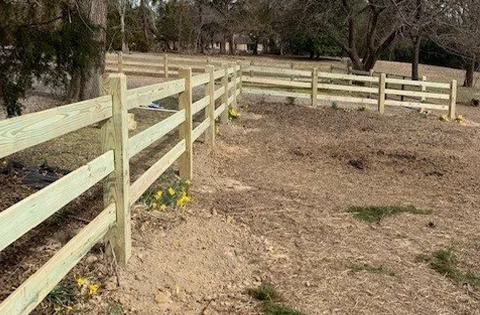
(453,100)
(225,96)
(381,93)
(155,171)
(200,104)
(33,210)
(117,184)
(200,129)
(200,79)
(218,93)
(258,91)
(210,111)
(30,293)
(220,110)
(147,137)
(419,83)
(185,130)
(314,87)
(416,105)
(277,82)
(146,94)
(22,132)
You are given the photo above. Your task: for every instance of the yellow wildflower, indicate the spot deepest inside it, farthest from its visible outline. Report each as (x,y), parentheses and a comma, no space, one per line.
(158,195)
(58,309)
(92,289)
(81,281)
(163,207)
(183,200)
(154,205)
(171,191)
(187,182)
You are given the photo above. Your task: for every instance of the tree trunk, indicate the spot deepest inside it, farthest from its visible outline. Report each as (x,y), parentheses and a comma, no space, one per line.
(122,30)
(416,41)
(469,76)
(145,26)
(233,49)
(85,84)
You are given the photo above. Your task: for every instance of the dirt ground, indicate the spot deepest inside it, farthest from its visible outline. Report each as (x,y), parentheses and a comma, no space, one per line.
(270,205)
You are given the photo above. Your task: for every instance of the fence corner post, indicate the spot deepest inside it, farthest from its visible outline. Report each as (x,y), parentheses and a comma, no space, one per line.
(453,99)
(185,162)
(210,111)
(116,185)
(165,66)
(314,87)
(381,93)
(224,114)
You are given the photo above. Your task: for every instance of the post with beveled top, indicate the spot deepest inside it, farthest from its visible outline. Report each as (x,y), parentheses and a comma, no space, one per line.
(314,87)
(165,66)
(381,93)
(210,110)
(453,99)
(224,114)
(116,185)
(185,163)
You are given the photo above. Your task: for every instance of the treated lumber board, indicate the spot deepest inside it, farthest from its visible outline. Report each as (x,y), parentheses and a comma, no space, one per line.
(147,137)
(276,93)
(230,100)
(416,105)
(185,164)
(33,210)
(155,171)
(277,82)
(22,132)
(280,71)
(197,132)
(224,115)
(116,186)
(314,87)
(419,83)
(218,74)
(200,79)
(210,111)
(146,94)
(219,110)
(200,104)
(31,292)
(381,93)
(231,85)
(453,99)
(349,77)
(418,94)
(349,88)
(346,99)
(218,93)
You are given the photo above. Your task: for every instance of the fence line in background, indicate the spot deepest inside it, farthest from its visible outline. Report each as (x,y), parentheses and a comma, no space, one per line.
(112,167)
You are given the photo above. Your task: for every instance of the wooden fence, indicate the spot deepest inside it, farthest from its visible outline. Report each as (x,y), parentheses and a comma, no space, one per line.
(326,86)
(111,168)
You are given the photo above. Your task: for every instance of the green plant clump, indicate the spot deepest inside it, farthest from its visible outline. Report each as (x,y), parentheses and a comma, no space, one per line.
(270,298)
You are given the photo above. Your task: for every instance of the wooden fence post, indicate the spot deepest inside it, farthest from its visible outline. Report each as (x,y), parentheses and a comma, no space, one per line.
(235,74)
(224,114)
(292,67)
(381,93)
(185,131)
(240,74)
(424,89)
(165,65)
(116,185)
(370,73)
(314,87)
(402,98)
(386,84)
(120,62)
(251,72)
(453,99)
(210,111)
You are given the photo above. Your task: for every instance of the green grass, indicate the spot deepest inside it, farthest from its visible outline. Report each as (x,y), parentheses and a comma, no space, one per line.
(372,269)
(272,308)
(375,214)
(62,295)
(270,298)
(446,263)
